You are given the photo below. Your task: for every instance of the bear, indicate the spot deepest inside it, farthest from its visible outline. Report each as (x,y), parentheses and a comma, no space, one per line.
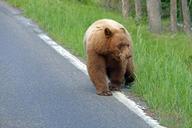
(108,47)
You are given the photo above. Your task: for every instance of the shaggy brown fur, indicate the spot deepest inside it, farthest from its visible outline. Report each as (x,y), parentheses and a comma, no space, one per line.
(109,55)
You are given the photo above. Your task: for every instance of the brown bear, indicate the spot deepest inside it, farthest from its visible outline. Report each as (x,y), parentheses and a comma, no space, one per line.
(109,56)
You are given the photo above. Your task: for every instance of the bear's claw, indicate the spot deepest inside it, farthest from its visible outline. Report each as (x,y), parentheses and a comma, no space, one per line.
(105,93)
(113,88)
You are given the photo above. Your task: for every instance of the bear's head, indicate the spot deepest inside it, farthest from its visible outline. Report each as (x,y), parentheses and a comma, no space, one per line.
(118,43)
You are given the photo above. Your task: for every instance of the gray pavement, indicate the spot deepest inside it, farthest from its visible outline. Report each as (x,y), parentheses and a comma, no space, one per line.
(41,89)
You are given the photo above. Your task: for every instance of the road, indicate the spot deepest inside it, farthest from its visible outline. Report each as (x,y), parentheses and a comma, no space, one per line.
(41,89)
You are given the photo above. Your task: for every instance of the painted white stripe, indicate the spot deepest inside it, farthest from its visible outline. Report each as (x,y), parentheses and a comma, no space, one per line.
(131,105)
(74,60)
(134,108)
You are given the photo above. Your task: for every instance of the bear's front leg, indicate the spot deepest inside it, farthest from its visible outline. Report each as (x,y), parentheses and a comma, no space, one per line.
(116,76)
(97,72)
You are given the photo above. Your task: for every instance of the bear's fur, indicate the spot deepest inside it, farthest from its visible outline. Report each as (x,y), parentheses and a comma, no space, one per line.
(109,55)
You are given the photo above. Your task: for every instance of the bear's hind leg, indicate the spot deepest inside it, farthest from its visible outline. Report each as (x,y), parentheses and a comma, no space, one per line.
(129,75)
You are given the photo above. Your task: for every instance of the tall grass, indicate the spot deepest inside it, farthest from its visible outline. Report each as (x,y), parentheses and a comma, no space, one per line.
(163,62)
(164,80)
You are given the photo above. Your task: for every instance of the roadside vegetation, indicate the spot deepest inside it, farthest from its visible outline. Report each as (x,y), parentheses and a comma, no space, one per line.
(163,62)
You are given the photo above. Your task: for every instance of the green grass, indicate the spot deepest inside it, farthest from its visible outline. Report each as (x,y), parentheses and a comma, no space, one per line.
(163,62)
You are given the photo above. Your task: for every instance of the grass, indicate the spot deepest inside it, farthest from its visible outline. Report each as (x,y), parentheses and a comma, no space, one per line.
(163,62)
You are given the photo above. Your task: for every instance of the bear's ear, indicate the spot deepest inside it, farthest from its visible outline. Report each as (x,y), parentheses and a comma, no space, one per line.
(123,30)
(108,32)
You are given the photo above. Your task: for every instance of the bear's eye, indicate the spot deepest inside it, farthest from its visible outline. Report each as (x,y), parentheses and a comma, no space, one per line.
(120,46)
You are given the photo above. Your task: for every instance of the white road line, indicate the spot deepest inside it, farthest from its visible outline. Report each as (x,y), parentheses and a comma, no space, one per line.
(134,108)
(74,60)
(131,105)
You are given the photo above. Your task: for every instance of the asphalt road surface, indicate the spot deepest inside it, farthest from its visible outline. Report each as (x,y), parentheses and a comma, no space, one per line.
(41,89)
